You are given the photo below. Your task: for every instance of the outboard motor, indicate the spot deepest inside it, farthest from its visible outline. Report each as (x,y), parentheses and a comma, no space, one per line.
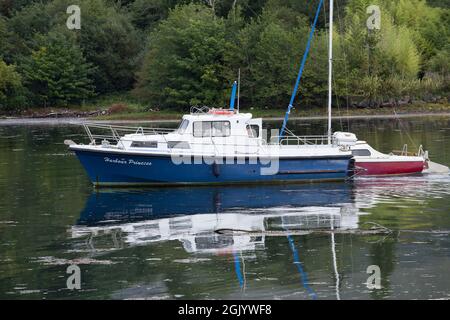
(346,139)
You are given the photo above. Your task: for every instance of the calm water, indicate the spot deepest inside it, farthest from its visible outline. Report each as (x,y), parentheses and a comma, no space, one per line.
(162,244)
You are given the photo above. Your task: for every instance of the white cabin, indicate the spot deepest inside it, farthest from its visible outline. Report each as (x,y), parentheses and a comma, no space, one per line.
(204,132)
(209,133)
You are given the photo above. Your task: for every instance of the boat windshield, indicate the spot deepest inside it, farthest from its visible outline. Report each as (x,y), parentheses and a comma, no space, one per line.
(183,125)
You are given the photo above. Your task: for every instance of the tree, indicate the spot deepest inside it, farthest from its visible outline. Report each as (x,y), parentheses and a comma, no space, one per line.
(397,53)
(439,69)
(20,41)
(3,36)
(186,52)
(427,25)
(268,51)
(146,14)
(373,57)
(57,73)
(11,89)
(272,71)
(439,3)
(184,65)
(440,63)
(8,7)
(110,42)
(107,38)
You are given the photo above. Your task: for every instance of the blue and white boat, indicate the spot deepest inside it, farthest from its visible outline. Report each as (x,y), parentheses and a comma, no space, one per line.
(214,146)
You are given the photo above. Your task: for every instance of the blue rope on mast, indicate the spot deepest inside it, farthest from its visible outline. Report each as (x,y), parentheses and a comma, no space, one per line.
(233,96)
(300,72)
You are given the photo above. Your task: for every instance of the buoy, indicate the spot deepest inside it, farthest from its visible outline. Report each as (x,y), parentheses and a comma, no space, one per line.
(221,111)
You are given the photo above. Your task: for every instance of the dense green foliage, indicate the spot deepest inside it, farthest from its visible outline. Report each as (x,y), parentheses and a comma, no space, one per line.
(176,53)
(185,61)
(11,89)
(393,62)
(57,72)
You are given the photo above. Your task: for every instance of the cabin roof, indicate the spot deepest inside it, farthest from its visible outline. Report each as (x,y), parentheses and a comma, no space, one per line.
(218,117)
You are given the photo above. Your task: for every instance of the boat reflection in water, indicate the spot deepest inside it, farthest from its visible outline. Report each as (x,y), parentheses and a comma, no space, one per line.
(118,219)
(194,215)
(271,262)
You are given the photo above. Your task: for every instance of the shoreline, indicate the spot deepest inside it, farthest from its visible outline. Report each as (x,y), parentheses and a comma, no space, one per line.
(77,121)
(124,113)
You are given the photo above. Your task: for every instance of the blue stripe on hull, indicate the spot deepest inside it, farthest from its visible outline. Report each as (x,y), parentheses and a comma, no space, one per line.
(127,169)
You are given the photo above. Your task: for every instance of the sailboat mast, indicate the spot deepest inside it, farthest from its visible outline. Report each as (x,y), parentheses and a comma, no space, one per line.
(330,70)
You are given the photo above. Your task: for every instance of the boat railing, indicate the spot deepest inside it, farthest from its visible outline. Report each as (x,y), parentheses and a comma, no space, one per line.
(292,139)
(302,140)
(405,152)
(113,133)
(199,110)
(100,132)
(289,138)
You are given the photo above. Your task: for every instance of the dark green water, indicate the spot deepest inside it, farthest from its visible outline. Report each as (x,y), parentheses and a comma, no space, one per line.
(162,244)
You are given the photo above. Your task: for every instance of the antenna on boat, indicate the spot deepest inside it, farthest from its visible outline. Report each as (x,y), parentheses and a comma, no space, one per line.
(330,70)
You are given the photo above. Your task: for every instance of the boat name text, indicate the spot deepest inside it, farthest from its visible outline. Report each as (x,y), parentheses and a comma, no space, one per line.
(129,161)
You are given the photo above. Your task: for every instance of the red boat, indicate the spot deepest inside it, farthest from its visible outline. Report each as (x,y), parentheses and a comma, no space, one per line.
(369,161)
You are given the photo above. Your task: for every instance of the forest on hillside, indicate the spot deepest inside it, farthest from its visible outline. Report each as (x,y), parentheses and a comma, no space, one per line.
(171,54)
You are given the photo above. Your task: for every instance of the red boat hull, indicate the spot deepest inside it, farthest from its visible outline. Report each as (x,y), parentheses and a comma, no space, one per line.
(389,167)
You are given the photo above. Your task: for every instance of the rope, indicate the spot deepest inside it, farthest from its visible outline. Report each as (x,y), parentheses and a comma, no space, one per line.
(404,129)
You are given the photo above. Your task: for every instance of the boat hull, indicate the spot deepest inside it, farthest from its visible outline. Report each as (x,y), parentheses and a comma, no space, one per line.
(121,169)
(388,167)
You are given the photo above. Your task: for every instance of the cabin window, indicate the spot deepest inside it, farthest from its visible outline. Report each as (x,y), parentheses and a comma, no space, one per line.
(221,128)
(178,145)
(183,125)
(361,152)
(197,129)
(212,128)
(253,130)
(144,144)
